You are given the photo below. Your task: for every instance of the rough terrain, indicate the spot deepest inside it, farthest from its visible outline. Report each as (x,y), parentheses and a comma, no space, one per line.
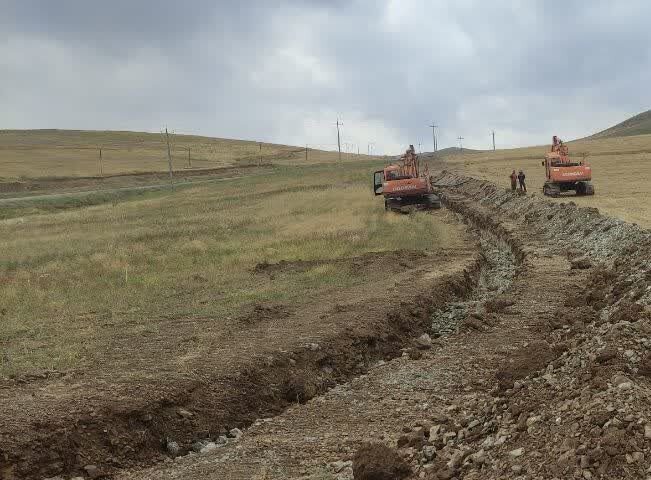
(525,354)
(548,376)
(273,356)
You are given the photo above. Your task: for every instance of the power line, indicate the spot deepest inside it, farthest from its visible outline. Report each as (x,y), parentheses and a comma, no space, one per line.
(493,132)
(460,145)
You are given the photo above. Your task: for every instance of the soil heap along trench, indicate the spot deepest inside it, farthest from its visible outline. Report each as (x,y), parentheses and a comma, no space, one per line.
(549,375)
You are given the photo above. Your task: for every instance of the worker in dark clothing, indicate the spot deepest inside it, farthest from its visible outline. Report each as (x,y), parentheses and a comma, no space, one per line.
(523,185)
(514,180)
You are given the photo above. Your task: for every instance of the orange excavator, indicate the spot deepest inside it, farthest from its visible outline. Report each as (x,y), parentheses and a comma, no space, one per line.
(563,175)
(405,186)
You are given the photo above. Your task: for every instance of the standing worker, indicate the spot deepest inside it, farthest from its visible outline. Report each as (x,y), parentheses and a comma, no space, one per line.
(514,180)
(523,185)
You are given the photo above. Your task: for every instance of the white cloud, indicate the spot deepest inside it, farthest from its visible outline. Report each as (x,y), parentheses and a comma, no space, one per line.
(284,72)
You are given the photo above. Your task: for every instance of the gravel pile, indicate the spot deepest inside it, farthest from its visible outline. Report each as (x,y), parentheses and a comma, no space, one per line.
(578,403)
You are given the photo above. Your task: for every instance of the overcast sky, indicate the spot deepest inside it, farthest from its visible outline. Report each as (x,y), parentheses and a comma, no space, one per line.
(283,71)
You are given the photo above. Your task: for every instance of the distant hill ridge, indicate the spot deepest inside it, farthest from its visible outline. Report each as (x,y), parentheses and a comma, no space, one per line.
(638,125)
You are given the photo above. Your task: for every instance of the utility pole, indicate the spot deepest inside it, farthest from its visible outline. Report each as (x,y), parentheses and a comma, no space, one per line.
(460,145)
(493,139)
(339,139)
(306,152)
(101,166)
(169,155)
(189,159)
(260,155)
(419,149)
(432,126)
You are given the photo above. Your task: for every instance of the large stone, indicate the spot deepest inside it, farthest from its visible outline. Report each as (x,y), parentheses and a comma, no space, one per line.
(92,471)
(424,342)
(434,433)
(619,380)
(518,452)
(208,447)
(339,465)
(184,413)
(429,452)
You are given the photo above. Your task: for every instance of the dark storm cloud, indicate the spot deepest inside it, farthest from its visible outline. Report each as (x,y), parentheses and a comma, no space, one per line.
(284,71)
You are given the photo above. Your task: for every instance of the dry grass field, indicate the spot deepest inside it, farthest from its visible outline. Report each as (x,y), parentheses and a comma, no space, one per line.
(67,153)
(75,282)
(621,172)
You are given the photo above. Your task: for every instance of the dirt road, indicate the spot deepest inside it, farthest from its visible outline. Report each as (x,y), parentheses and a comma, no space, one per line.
(546,380)
(51,189)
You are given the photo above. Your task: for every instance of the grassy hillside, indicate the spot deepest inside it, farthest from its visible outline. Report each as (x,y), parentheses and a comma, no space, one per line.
(72,153)
(638,125)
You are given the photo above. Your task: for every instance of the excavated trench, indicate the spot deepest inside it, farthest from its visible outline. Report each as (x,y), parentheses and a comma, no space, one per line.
(450,302)
(265,388)
(491,274)
(207,414)
(501,398)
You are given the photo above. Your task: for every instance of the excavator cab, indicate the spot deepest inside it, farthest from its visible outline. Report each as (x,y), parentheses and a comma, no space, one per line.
(378,180)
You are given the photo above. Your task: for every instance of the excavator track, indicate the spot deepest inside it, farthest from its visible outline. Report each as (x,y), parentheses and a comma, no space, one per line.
(551,190)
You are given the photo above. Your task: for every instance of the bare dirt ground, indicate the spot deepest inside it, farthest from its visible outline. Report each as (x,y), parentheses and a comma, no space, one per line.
(271,357)
(548,376)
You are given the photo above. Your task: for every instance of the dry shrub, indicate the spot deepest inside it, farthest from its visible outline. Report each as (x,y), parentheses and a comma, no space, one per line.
(375,461)
(301,387)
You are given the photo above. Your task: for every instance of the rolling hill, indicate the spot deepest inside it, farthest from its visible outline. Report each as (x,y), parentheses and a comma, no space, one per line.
(74,153)
(637,125)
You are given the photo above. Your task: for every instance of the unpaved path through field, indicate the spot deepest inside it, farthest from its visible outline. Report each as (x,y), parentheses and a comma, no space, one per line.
(487,402)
